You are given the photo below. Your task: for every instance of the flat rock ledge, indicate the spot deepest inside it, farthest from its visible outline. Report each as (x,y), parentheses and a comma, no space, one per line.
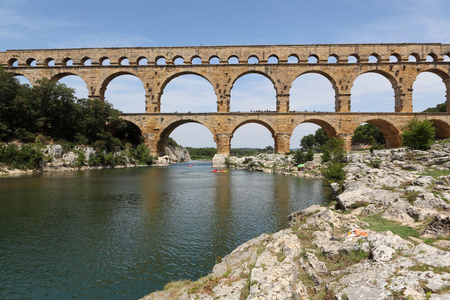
(401,191)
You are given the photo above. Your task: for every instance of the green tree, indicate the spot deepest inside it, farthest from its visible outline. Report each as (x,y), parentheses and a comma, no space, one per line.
(368,134)
(418,134)
(314,141)
(333,150)
(438,108)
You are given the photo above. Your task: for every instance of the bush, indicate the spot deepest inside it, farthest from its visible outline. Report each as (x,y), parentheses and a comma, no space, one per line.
(334,172)
(333,150)
(418,135)
(302,157)
(27,157)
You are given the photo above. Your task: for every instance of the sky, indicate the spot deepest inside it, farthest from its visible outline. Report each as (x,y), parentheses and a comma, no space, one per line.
(41,24)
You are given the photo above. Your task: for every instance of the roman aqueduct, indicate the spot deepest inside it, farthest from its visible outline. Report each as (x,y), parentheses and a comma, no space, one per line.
(221,66)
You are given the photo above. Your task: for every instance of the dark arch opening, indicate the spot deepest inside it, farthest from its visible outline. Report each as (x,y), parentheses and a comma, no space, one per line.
(367,135)
(390,133)
(131,135)
(188,92)
(253,92)
(442,129)
(312,92)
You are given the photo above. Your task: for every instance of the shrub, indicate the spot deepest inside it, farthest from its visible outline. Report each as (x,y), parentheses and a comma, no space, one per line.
(27,157)
(334,172)
(333,150)
(418,135)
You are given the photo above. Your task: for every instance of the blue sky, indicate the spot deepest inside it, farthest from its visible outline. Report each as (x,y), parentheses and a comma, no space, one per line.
(33,24)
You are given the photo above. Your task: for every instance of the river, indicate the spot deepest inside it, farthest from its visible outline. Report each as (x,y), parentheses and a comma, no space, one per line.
(123,233)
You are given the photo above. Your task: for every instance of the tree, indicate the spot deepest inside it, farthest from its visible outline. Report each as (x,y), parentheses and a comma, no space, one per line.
(314,141)
(368,134)
(333,150)
(439,108)
(418,134)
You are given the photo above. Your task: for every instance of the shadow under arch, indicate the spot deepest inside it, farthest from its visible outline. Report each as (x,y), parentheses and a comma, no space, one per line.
(131,134)
(390,132)
(329,129)
(164,135)
(252,72)
(442,129)
(392,81)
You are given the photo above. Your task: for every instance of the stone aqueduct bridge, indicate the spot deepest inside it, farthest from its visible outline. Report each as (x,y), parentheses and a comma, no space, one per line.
(215,64)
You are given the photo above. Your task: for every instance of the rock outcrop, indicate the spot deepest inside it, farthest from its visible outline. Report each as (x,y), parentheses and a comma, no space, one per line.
(401,200)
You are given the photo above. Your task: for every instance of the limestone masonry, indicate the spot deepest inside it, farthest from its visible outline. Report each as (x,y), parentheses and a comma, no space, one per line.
(223,65)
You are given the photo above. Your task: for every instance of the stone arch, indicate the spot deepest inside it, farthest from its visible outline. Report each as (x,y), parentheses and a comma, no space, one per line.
(141,59)
(103,59)
(48,61)
(12,61)
(395,86)
(195,57)
(231,58)
(333,59)
(293,59)
(66,61)
(433,56)
(442,129)
(112,76)
(177,75)
(396,56)
(73,83)
(122,61)
(323,74)
(20,75)
(253,56)
(327,126)
(390,131)
(251,72)
(376,56)
(169,128)
(414,56)
(268,126)
(31,62)
(273,59)
(445,79)
(178,60)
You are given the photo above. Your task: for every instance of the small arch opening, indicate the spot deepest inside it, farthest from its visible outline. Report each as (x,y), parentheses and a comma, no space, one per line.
(105,61)
(196,60)
(430,58)
(124,61)
(414,57)
(353,59)
(373,59)
(23,80)
(233,60)
(272,60)
(86,61)
(313,59)
(393,58)
(49,62)
(293,59)
(142,61)
(214,60)
(161,61)
(447,57)
(68,62)
(32,62)
(332,59)
(13,62)
(179,61)
(253,60)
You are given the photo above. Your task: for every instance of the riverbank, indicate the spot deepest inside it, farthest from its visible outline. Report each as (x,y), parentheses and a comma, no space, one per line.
(57,159)
(278,164)
(385,237)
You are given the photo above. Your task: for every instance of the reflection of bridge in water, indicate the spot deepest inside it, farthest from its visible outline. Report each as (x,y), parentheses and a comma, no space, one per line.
(223,65)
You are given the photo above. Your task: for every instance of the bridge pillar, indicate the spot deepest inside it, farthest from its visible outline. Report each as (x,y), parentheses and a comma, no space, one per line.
(447,93)
(223,103)
(283,103)
(282,142)
(347,138)
(342,103)
(222,140)
(403,96)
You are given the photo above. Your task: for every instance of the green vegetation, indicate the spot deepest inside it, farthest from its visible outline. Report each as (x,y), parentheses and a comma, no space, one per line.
(49,112)
(368,134)
(377,223)
(314,141)
(438,108)
(436,173)
(302,157)
(418,135)
(24,158)
(202,153)
(334,153)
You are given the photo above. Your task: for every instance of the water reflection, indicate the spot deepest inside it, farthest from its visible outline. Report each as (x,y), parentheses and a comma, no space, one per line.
(123,233)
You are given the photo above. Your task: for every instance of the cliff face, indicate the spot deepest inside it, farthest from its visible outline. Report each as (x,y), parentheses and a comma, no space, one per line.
(174,155)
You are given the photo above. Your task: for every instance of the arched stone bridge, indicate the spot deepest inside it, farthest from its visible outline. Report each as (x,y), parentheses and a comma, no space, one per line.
(223,65)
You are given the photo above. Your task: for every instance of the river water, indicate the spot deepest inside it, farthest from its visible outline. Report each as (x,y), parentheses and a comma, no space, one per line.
(123,233)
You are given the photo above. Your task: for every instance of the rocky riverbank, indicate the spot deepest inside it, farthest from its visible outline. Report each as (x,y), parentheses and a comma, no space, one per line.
(385,237)
(57,159)
(277,164)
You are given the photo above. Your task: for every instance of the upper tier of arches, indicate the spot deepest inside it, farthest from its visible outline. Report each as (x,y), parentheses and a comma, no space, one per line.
(280,54)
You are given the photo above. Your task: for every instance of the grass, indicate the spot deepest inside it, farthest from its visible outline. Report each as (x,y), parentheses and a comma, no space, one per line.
(377,223)
(436,173)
